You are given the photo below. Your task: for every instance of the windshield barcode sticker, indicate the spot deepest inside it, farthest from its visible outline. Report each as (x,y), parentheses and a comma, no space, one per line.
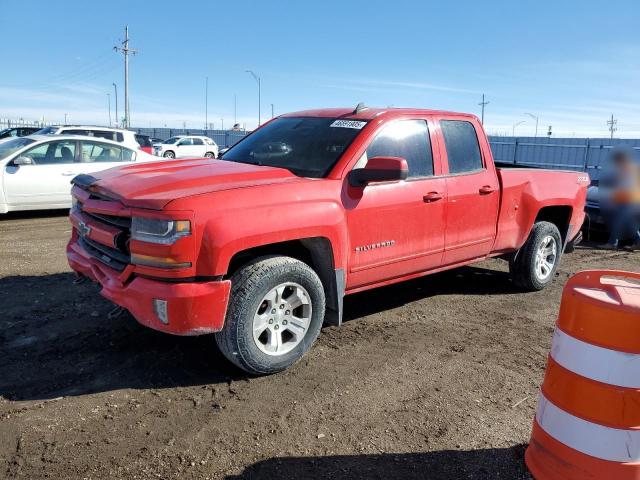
(348,124)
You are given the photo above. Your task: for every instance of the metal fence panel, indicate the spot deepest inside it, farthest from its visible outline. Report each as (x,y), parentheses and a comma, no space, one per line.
(224,138)
(579,154)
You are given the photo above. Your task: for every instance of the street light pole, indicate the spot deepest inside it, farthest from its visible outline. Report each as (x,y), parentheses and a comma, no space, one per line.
(115,89)
(257,79)
(272,110)
(109,100)
(206,102)
(535,118)
(513,130)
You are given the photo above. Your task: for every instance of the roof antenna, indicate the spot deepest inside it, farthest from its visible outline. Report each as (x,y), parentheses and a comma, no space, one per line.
(359,108)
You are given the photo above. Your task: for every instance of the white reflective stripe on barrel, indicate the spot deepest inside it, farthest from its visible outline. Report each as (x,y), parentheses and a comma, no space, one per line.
(605,443)
(597,363)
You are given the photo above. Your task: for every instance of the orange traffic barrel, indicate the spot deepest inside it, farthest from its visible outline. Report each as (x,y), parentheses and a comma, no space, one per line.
(587,424)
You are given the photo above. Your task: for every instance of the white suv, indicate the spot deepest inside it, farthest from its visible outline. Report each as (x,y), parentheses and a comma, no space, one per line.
(187,146)
(120,135)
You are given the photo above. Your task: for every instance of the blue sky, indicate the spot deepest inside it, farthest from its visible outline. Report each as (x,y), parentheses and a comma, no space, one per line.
(572,64)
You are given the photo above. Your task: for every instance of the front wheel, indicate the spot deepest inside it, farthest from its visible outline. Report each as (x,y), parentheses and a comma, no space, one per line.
(169,154)
(275,313)
(536,262)
(209,155)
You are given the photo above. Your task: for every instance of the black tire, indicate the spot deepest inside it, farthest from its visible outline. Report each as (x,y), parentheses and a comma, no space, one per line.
(249,285)
(169,154)
(210,155)
(523,266)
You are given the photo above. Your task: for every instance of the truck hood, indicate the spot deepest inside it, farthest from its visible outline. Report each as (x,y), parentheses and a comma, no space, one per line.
(154,185)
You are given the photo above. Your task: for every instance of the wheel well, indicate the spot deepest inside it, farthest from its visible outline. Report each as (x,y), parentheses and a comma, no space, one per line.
(558,215)
(316,252)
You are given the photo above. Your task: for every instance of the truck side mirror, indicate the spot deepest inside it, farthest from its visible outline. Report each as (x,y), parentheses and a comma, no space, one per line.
(379,169)
(23,161)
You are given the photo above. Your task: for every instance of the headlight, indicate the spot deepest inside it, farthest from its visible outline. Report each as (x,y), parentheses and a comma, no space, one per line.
(154,230)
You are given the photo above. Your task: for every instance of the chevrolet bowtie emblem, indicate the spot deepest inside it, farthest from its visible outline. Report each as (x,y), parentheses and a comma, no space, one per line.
(83,229)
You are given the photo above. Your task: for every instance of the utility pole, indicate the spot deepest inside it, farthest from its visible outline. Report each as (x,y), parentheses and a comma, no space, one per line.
(257,79)
(222,123)
(272,110)
(536,119)
(65,118)
(612,125)
(206,102)
(115,89)
(482,104)
(126,51)
(109,100)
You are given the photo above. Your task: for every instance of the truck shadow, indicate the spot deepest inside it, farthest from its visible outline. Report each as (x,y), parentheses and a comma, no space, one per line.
(29,214)
(483,464)
(56,338)
(470,280)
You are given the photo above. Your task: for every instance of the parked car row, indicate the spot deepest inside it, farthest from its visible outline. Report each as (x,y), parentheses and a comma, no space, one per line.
(180,146)
(37,164)
(36,169)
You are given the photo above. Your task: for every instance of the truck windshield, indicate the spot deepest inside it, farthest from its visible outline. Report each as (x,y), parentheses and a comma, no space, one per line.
(306,146)
(47,131)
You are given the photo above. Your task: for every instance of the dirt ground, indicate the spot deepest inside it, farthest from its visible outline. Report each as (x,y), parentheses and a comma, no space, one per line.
(435,378)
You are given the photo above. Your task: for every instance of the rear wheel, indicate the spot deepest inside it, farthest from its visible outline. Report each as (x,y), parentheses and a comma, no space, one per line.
(275,314)
(536,262)
(169,154)
(209,155)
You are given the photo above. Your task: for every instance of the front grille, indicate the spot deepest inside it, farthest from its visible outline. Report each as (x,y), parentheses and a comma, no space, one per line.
(117,258)
(108,256)
(123,222)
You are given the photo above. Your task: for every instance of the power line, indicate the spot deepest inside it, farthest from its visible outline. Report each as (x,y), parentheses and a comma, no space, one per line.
(126,51)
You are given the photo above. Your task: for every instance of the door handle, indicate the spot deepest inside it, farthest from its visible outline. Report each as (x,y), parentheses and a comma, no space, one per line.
(486,190)
(432,197)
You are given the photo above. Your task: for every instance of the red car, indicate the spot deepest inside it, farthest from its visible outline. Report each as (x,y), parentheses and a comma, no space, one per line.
(146,145)
(261,246)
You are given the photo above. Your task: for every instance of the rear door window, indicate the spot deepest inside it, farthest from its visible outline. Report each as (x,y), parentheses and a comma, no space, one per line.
(197,141)
(76,132)
(461,142)
(102,152)
(107,135)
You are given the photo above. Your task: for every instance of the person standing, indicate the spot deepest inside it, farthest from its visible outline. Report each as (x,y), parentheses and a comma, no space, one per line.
(620,194)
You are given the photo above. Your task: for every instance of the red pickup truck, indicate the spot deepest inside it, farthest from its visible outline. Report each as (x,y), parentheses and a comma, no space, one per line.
(261,246)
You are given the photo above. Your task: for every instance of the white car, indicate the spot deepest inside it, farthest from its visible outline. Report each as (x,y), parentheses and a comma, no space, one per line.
(120,135)
(36,170)
(187,146)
